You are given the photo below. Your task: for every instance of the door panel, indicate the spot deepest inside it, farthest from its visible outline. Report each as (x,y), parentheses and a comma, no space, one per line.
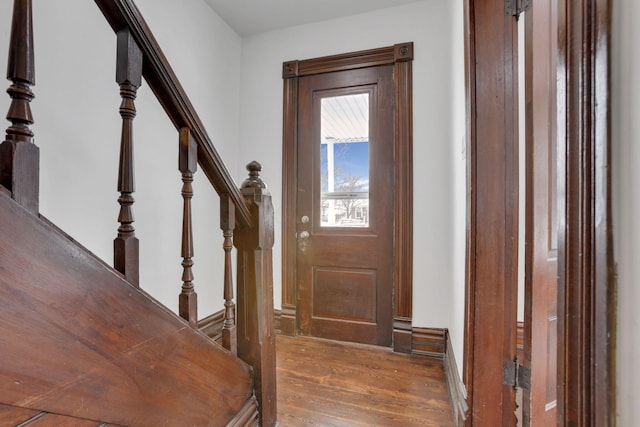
(345,205)
(541,254)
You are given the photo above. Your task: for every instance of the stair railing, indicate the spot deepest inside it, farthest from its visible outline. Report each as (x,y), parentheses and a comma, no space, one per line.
(246,218)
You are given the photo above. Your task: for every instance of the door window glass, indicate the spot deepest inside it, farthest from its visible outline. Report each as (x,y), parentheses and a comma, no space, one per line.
(344,161)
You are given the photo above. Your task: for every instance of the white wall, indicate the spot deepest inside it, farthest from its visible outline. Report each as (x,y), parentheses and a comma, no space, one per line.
(459,193)
(78,131)
(435,26)
(626,201)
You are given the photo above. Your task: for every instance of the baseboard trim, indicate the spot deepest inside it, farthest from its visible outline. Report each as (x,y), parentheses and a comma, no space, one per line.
(402,335)
(435,342)
(457,390)
(277,321)
(212,325)
(429,342)
(288,320)
(248,415)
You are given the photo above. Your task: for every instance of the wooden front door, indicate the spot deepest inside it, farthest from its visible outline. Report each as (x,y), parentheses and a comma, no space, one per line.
(345,205)
(541,235)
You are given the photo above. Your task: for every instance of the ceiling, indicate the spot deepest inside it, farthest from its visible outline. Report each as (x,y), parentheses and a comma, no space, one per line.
(248,17)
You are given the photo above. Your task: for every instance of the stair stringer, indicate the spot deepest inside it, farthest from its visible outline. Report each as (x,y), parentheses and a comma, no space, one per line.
(76,339)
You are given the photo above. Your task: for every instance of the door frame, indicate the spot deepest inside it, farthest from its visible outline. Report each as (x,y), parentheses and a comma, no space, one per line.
(586,287)
(401,57)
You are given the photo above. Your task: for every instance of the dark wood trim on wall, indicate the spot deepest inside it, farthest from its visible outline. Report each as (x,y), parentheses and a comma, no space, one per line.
(586,291)
(248,415)
(430,342)
(277,321)
(401,56)
(471,200)
(403,232)
(457,390)
(289,194)
(492,210)
(435,342)
(212,325)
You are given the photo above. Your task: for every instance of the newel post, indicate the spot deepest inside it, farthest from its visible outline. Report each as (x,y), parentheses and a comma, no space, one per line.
(19,156)
(256,335)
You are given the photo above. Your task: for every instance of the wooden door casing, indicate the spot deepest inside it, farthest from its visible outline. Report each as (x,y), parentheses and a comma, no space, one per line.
(492,211)
(541,223)
(400,56)
(345,276)
(586,286)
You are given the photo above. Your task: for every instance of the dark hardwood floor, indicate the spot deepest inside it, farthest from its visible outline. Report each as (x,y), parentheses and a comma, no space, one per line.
(328,383)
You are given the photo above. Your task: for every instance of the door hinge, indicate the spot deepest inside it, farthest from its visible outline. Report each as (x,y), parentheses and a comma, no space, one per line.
(516,375)
(516,7)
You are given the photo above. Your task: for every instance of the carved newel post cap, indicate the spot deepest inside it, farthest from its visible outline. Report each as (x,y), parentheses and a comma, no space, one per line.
(254,180)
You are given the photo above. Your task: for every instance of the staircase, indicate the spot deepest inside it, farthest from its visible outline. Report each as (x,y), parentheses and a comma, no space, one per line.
(81,342)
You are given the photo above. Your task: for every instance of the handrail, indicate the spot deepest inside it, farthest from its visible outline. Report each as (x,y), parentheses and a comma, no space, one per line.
(171,95)
(246,217)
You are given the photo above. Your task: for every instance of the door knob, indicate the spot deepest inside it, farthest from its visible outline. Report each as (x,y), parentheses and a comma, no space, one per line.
(303,235)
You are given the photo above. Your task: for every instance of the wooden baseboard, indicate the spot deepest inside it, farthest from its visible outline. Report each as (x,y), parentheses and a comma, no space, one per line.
(277,321)
(435,342)
(402,333)
(429,342)
(212,325)
(457,390)
(287,320)
(248,415)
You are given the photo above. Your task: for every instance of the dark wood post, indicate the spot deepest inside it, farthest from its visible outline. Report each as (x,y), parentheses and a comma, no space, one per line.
(256,336)
(227,223)
(19,156)
(188,164)
(129,77)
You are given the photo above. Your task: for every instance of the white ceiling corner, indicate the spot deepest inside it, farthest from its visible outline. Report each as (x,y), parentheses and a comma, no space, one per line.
(249,17)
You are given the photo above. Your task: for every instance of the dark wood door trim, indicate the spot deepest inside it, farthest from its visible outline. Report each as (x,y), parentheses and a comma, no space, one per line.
(492,210)
(401,56)
(586,300)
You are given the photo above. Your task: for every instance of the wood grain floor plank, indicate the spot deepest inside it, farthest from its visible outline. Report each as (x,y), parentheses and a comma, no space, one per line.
(11,415)
(332,384)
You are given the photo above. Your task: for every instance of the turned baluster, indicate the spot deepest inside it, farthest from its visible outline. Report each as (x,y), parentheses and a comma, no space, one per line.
(187,163)
(227,224)
(19,156)
(129,77)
